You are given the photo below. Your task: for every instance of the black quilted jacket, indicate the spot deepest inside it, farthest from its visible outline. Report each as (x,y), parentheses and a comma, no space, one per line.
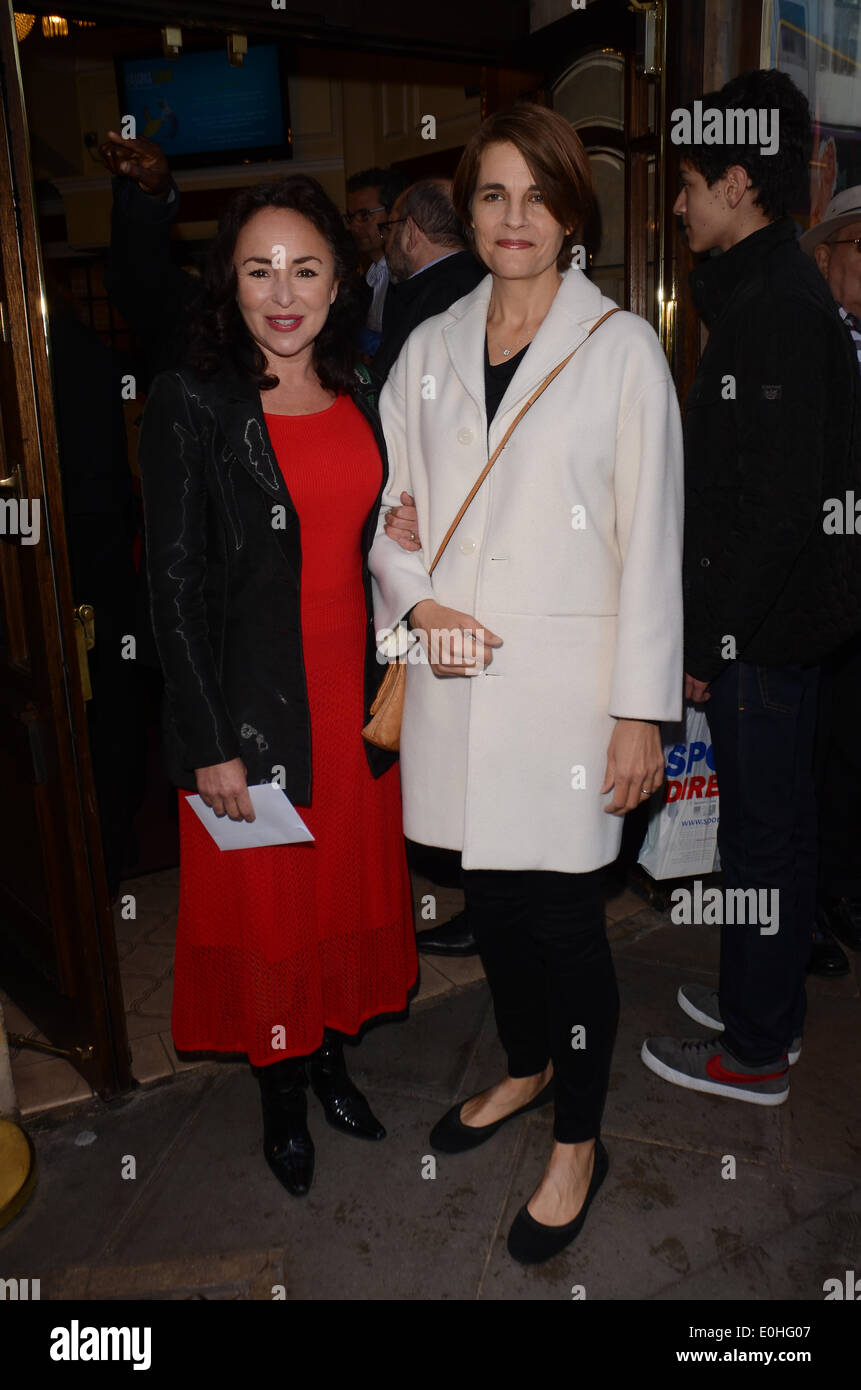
(772,431)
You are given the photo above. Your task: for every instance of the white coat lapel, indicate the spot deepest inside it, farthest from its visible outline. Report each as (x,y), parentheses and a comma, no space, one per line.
(576,306)
(464,339)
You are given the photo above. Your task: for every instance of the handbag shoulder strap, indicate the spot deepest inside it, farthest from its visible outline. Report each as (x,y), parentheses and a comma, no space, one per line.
(505,438)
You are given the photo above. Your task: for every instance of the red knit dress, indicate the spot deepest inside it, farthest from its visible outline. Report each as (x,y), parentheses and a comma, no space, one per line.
(298,937)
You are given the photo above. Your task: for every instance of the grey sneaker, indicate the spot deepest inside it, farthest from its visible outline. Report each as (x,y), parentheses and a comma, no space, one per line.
(703,1064)
(701,1004)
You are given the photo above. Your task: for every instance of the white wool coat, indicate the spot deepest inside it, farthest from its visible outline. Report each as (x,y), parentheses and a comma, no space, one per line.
(571,553)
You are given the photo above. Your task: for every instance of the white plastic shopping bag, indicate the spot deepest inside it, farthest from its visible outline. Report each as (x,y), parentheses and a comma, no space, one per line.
(682,836)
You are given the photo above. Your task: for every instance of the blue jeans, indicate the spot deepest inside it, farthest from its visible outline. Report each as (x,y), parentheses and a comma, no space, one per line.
(763,727)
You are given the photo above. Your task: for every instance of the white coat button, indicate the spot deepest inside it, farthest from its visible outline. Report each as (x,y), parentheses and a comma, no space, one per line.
(467,547)
(465,436)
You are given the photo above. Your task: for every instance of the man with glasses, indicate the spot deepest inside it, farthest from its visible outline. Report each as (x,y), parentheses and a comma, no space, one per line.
(429,265)
(835,245)
(370,197)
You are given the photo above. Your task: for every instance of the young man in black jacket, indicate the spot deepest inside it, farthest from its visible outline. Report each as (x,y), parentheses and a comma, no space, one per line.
(771,434)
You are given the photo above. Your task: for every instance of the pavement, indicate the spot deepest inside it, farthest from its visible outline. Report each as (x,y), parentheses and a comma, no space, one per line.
(164,1193)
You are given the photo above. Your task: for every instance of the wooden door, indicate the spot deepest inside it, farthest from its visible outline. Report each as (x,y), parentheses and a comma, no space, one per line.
(57,949)
(615,108)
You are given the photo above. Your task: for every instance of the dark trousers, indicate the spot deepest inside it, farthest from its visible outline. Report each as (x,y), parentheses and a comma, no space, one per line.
(545,953)
(763,727)
(839,769)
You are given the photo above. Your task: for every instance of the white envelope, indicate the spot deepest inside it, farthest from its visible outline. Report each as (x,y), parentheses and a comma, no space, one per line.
(277,823)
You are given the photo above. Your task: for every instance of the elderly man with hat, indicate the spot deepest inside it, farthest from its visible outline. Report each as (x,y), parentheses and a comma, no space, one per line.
(835,245)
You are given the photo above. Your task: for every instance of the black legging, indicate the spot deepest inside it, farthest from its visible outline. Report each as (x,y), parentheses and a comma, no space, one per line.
(545,953)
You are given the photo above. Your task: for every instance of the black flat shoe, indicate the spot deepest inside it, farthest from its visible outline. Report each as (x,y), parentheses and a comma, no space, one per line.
(287,1144)
(450,1136)
(826,957)
(344,1106)
(452,938)
(530,1242)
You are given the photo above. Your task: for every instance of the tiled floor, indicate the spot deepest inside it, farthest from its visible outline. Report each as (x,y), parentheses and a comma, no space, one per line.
(145,920)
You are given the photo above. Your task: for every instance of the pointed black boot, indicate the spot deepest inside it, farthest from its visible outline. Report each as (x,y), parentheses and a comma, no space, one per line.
(287,1143)
(343,1103)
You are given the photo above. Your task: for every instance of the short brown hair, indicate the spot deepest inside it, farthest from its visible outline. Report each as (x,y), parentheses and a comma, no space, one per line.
(556,158)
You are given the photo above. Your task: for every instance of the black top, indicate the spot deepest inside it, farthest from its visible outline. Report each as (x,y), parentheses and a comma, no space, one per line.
(772,431)
(496,380)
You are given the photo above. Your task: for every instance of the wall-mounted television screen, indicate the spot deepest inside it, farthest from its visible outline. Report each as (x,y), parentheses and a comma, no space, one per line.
(203,111)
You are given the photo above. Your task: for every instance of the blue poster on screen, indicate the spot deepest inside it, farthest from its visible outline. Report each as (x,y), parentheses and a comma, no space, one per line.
(198,103)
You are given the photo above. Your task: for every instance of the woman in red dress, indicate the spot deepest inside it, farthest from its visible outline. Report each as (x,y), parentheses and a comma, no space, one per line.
(263,464)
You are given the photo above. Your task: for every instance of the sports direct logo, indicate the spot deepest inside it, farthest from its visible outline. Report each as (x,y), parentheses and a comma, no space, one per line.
(691,772)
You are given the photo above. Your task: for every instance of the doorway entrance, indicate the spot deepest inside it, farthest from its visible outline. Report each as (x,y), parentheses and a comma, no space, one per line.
(61,636)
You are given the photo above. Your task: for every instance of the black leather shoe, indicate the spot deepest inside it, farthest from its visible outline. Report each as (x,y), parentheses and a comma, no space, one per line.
(287,1143)
(450,1136)
(826,957)
(343,1103)
(842,917)
(530,1242)
(453,938)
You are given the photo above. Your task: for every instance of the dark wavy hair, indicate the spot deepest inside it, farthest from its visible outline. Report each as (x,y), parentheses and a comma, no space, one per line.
(217,331)
(780,180)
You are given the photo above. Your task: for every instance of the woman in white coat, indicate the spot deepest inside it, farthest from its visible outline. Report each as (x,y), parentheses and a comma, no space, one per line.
(527,738)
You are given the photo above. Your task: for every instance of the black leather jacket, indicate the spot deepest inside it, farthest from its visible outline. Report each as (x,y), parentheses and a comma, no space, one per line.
(225,583)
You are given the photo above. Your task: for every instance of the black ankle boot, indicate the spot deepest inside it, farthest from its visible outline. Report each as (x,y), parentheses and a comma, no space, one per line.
(287,1143)
(343,1103)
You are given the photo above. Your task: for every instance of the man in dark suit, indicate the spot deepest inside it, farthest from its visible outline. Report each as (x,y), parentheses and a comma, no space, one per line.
(428,263)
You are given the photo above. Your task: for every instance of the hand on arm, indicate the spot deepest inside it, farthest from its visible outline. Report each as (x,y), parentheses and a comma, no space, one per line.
(401,524)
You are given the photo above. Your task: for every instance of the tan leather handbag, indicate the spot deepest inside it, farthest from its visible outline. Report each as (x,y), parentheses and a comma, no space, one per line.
(384,727)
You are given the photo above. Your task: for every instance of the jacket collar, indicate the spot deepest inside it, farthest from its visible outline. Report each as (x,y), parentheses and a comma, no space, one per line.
(576,306)
(235,403)
(714,281)
(406,290)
